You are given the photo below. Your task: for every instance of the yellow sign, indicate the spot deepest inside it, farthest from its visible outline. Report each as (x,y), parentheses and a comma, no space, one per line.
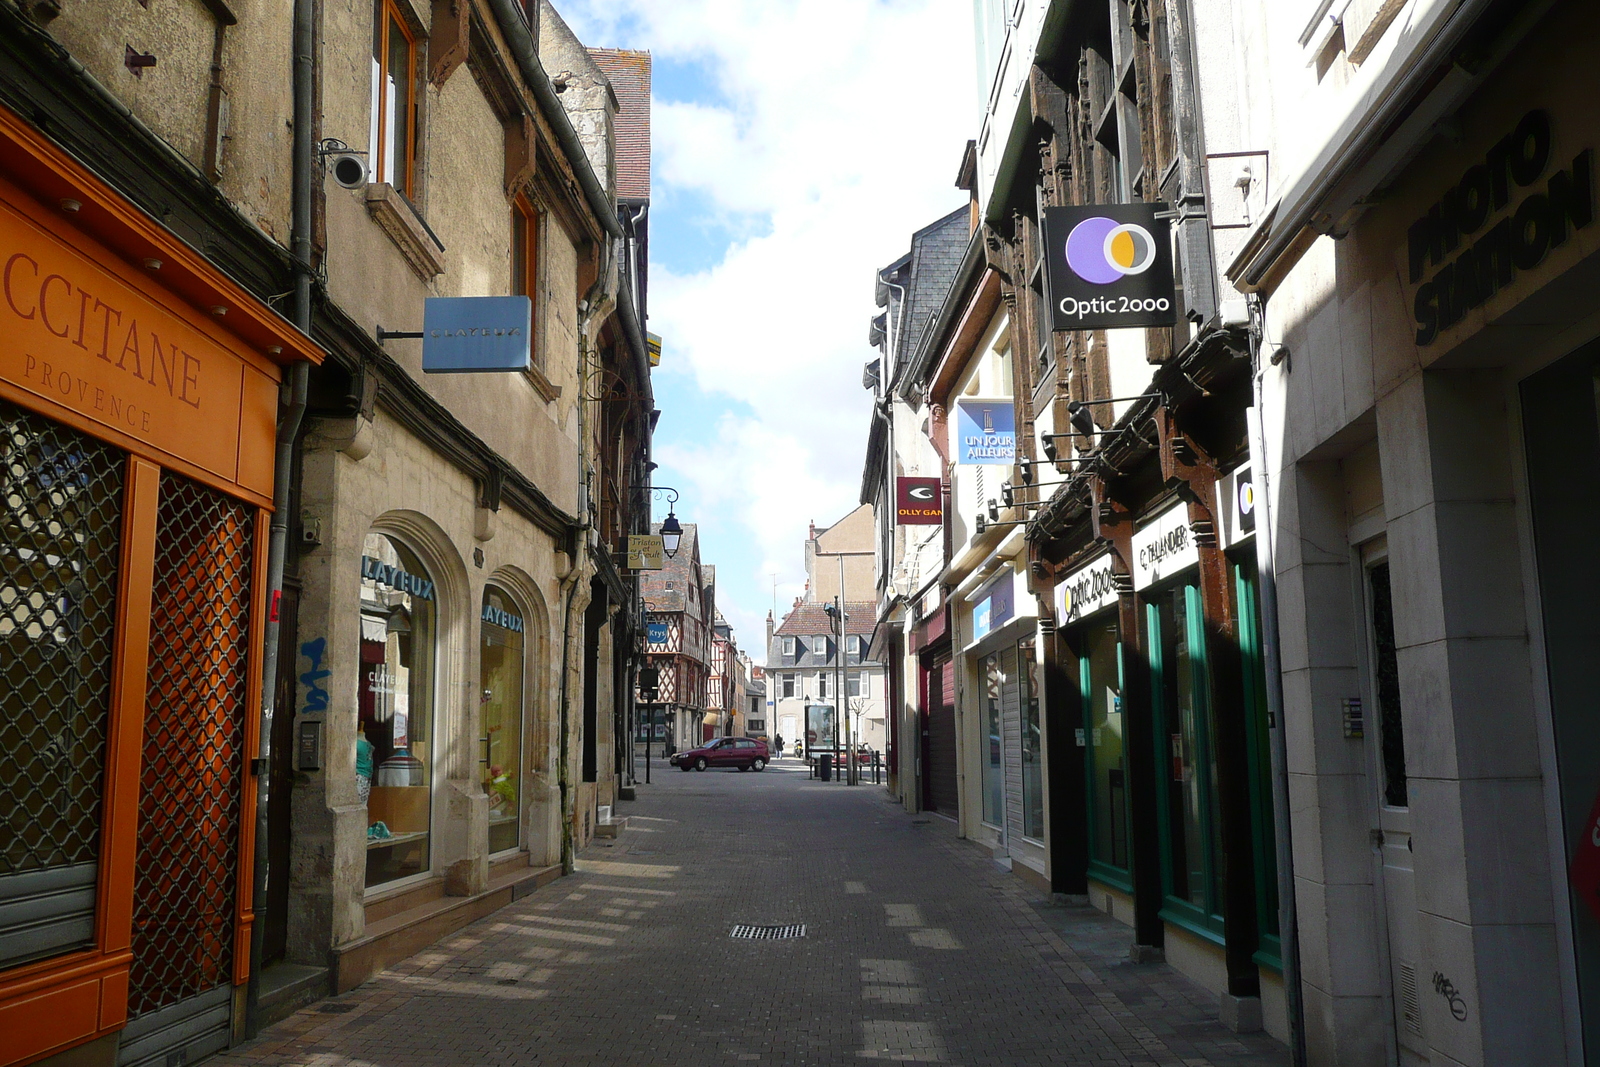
(645,552)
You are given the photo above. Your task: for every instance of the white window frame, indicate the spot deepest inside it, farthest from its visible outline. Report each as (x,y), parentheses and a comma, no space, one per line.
(788,647)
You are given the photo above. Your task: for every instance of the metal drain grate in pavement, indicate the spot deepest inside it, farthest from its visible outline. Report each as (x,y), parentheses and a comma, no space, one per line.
(767,933)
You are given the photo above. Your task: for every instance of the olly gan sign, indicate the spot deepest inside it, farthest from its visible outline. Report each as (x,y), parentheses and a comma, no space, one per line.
(1503,216)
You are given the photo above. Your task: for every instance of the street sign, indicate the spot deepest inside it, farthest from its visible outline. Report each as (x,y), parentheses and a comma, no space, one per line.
(645,552)
(986,432)
(471,334)
(655,633)
(1109,266)
(918,502)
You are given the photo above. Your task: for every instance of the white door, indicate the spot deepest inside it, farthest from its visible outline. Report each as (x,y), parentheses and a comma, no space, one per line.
(1397,879)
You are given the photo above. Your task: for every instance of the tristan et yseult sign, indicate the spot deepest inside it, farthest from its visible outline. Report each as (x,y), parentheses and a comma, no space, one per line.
(918,502)
(1503,216)
(473,334)
(1109,267)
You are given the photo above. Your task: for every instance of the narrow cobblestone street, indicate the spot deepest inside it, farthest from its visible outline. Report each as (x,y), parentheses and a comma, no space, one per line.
(917,948)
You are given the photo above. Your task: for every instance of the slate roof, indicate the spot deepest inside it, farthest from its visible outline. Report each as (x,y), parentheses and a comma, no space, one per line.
(677,570)
(927,273)
(808,619)
(629,74)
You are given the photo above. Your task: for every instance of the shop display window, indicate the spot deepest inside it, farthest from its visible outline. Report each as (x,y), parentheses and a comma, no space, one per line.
(61,500)
(1032,743)
(500,698)
(1100,676)
(394,764)
(994,679)
(1187,769)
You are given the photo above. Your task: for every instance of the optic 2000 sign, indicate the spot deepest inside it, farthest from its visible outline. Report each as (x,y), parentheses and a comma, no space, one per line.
(1109,266)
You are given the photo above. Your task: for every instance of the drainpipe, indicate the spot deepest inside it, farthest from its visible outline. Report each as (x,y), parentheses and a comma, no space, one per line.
(1288,919)
(289,418)
(580,538)
(571,583)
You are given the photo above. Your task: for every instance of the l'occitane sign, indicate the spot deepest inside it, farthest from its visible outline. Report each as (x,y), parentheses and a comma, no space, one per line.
(84,331)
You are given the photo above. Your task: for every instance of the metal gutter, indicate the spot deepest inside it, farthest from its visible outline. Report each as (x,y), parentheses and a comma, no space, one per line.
(303,160)
(951,308)
(515,27)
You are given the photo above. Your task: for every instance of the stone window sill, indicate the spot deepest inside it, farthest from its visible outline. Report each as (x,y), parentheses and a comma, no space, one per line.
(395,214)
(546,388)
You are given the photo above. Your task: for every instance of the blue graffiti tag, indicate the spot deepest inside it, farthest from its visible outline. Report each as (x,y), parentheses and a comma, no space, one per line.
(316,696)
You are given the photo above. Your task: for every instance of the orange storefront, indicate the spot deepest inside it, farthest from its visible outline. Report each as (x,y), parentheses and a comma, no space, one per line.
(138,405)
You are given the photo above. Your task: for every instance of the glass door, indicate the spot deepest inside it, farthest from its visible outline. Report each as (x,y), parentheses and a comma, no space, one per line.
(1397,875)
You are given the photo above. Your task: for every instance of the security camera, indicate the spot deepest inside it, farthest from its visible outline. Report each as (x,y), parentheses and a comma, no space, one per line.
(349,169)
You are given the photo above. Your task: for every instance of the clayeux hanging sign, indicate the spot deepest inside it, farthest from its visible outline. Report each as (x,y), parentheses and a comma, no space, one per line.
(1109,267)
(918,502)
(468,334)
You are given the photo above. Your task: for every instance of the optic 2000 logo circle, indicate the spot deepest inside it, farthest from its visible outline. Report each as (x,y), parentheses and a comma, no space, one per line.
(1102,251)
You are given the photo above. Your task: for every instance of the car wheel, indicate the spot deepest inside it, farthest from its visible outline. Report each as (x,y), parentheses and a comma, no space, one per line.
(684,767)
(743,767)
(760,764)
(700,764)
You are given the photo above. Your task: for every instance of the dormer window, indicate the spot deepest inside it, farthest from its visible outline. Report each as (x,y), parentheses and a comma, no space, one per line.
(788,648)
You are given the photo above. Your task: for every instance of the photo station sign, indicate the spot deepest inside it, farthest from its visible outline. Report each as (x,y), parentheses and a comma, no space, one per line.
(1109,266)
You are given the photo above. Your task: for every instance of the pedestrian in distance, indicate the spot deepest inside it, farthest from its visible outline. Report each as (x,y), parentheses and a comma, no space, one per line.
(779,749)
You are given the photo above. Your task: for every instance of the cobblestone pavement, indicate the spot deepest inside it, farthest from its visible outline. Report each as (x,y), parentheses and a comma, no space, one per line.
(917,948)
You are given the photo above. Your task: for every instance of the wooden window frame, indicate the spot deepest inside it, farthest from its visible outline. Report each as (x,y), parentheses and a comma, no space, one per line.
(389,14)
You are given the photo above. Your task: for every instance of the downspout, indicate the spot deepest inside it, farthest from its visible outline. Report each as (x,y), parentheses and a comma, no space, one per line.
(292,412)
(1288,917)
(580,537)
(571,583)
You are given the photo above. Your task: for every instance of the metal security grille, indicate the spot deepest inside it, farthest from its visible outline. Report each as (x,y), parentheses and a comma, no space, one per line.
(767,933)
(186,874)
(60,534)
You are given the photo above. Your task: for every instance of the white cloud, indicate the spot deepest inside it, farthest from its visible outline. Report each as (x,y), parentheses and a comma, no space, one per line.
(830,131)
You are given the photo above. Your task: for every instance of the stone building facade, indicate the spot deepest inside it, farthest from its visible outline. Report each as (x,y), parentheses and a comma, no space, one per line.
(451,629)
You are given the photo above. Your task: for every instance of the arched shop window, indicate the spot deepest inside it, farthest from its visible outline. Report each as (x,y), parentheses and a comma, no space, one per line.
(395,697)
(500,694)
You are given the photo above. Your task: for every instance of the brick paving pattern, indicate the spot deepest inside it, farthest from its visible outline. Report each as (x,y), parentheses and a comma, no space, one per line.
(918,948)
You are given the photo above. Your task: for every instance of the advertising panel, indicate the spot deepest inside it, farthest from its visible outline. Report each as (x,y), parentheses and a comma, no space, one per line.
(1109,266)
(986,432)
(821,735)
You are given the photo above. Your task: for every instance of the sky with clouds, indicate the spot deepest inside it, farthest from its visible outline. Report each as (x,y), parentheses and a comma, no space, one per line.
(796,146)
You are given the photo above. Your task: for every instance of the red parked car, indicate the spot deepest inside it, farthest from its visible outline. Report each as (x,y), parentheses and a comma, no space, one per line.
(745,753)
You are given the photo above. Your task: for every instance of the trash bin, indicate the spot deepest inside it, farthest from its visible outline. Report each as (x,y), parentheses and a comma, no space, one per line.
(825,766)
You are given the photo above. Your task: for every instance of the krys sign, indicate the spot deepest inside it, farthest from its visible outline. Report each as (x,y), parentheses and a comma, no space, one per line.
(1504,215)
(1109,266)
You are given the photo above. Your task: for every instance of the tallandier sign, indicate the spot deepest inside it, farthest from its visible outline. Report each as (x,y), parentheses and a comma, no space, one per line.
(1109,267)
